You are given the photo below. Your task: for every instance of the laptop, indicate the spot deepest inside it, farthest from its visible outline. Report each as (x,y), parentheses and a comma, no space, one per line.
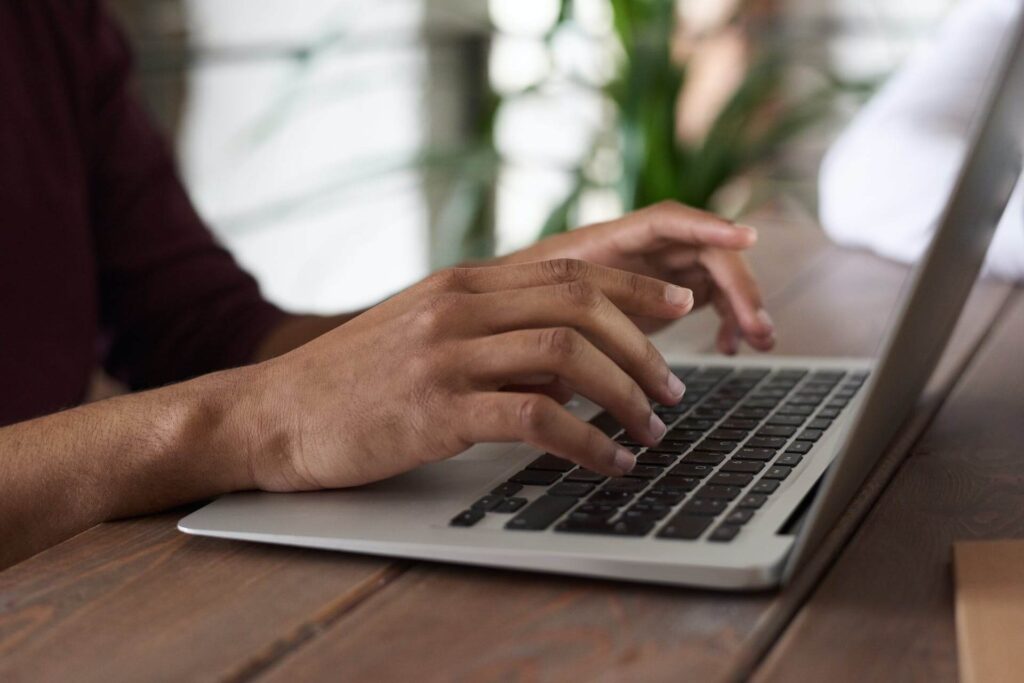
(761,457)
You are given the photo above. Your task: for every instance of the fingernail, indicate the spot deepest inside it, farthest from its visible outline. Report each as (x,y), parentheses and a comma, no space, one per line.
(675,385)
(657,427)
(765,319)
(752,232)
(678,296)
(624,460)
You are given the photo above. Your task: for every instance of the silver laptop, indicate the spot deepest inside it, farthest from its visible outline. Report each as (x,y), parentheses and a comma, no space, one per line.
(761,457)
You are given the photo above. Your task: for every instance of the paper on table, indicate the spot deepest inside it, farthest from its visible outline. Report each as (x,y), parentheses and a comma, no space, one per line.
(990,610)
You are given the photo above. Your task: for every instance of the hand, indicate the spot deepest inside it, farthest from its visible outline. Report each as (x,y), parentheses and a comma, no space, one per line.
(676,244)
(468,355)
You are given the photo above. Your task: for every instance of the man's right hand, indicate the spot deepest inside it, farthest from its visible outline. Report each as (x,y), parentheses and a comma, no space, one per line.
(468,355)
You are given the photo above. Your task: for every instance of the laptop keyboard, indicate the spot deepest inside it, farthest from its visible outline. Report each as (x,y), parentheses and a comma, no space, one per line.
(735,436)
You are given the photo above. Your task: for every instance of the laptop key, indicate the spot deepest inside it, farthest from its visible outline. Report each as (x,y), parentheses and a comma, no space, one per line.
(738,516)
(686,469)
(644,472)
(829,413)
(583,475)
(665,496)
(507,489)
(716,446)
(467,518)
(800,447)
(611,497)
(724,533)
(655,459)
(786,420)
(626,484)
(487,503)
(653,511)
(710,507)
(737,423)
(775,442)
(790,409)
(510,505)
(703,458)
(751,413)
(743,466)
(573,489)
(674,482)
(756,454)
(685,527)
(725,493)
(728,434)
(765,486)
(752,500)
(789,459)
(551,462)
(621,527)
(777,472)
(596,510)
(809,435)
(731,479)
(776,430)
(819,423)
(541,513)
(536,477)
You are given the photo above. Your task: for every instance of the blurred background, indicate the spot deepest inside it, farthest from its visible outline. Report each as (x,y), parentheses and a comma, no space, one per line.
(344,149)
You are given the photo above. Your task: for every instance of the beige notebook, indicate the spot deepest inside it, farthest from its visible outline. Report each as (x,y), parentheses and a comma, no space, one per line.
(990,610)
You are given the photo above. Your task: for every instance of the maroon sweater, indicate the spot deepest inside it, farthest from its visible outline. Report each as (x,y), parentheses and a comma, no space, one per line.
(103,259)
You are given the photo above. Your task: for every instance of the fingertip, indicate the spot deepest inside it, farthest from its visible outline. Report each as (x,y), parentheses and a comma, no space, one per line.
(680,297)
(748,234)
(623,461)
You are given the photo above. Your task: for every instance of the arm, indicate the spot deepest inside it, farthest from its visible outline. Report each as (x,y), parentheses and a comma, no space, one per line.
(129,455)
(448,363)
(885,181)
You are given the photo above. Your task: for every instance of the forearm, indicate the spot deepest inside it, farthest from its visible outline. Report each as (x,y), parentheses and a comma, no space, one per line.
(129,455)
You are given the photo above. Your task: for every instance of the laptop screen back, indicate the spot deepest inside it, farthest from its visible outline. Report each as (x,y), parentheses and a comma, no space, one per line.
(941,284)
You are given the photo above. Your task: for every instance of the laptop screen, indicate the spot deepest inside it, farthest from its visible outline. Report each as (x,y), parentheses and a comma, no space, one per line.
(940,286)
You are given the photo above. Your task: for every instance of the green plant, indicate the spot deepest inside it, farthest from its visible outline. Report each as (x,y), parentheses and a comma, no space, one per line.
(753,125)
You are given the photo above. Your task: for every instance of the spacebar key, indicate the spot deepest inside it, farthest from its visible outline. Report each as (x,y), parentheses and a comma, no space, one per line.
(541,513)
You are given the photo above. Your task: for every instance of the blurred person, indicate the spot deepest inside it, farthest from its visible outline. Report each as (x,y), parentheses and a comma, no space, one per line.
(886,179)
(104,261)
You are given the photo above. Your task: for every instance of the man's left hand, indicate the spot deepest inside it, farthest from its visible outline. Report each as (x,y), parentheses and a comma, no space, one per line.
(682,245)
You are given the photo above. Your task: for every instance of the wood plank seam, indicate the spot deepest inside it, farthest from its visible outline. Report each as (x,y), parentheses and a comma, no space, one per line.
(794,595)
(302,635)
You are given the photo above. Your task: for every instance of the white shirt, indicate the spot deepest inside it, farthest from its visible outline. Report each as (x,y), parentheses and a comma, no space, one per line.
(885,181)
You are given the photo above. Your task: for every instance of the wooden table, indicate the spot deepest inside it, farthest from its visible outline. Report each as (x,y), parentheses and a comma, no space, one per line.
(136,600)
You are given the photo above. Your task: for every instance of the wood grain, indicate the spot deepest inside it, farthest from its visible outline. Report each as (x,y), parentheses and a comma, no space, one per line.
(136,600)
(885,611)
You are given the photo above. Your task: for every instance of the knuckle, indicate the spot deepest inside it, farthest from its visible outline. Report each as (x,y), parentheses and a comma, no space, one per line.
(559,342)
(582,294)
(446,278)
(667,206)
(533,414)
(565,269)
(435,316)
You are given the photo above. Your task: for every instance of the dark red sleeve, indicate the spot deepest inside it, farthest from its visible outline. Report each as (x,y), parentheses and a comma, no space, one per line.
(172,300)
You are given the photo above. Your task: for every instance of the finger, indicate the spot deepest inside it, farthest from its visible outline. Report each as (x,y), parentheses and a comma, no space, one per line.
(542,423)
(631,292)
(587,310)
(732,276)
(728,339)
(668,223)
(564,352)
